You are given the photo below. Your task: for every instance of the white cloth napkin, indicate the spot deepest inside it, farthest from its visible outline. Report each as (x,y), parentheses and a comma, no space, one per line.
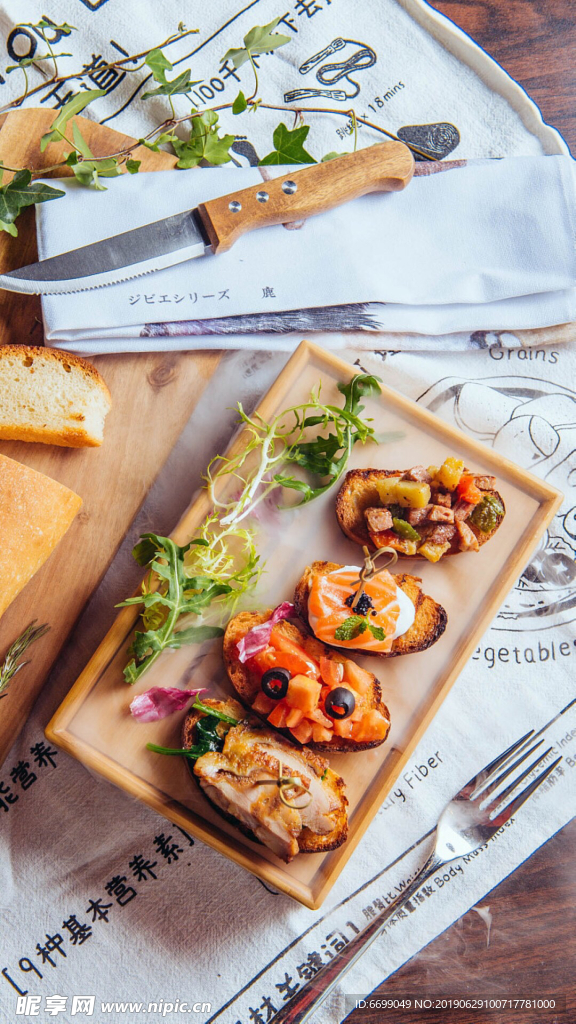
(476,247)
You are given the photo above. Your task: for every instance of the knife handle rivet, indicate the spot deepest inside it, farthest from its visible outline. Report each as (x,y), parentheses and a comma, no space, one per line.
(262,197)
(235,206)
(289,187)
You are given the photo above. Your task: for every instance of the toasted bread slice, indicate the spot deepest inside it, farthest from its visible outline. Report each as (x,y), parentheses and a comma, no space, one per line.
(359,492)
(51,396)
(429,621)
(247,683)
(308,841)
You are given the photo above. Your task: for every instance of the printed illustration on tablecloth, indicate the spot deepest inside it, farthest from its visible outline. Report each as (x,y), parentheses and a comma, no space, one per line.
(516,415)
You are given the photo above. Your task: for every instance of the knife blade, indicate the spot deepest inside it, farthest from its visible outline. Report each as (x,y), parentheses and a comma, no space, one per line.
(215,226)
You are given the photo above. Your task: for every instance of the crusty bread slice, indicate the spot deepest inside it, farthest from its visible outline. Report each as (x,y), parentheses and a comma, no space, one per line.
(247,683)
(359,492)
(429,621)
(35,512)
(308,841)
(52,397)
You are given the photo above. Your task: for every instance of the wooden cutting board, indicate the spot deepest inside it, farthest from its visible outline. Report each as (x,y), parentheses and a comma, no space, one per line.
(159,390)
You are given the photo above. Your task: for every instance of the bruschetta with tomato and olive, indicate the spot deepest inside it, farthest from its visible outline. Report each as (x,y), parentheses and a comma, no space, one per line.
(420,512)
(313,694)
(285,797)
(389,616)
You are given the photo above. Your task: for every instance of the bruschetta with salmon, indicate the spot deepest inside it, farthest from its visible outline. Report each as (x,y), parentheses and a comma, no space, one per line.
(313,694)
(423,512)
(277,794)
(388,617)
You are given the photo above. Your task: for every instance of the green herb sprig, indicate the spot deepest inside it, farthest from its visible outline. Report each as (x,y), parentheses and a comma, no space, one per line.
(222,562)
(285,441)
(207,733)
(12,663)
(355,625)
(174,594)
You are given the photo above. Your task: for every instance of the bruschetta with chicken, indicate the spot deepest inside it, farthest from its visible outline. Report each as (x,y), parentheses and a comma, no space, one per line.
(424,512)
(276,793)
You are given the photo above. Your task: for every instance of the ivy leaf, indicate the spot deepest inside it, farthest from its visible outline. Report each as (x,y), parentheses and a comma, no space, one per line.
(331,156)
(27,61)
(159,65)
(65,29)
(204,143)
(19,193)
(133,166)
(89,169)
(70,109)
(160,140)
(260,39)
(239,105)
(178,85)
(289,147)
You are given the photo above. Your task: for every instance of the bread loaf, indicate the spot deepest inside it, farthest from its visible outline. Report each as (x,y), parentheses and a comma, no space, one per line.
(51,396)
(35,512)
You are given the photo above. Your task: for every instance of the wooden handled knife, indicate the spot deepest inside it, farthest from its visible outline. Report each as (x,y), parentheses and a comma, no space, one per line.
(215,226)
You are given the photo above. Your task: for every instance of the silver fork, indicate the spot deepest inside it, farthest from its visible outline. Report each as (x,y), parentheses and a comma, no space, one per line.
(471,818)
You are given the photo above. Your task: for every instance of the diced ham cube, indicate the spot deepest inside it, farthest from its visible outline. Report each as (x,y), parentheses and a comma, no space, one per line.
(418,515)
(419,473)
(441,534)
(378,519)
(467,539)
(462,510)
(442,499)
(438,514)
(485,483)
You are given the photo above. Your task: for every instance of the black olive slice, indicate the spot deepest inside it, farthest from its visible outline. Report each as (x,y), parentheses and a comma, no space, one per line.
(339,703)
(274,683)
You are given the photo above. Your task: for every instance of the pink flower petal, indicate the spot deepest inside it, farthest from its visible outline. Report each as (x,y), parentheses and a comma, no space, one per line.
(257,639)
(159,702)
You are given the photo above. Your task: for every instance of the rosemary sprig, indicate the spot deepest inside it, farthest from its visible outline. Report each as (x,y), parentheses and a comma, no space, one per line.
(11,663)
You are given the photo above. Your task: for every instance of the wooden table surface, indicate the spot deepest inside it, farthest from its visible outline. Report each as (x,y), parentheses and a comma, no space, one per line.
(532,947)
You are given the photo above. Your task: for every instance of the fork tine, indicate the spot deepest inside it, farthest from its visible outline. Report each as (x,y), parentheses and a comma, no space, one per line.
(485,790)
(516,782)
(506,813)
(484,775)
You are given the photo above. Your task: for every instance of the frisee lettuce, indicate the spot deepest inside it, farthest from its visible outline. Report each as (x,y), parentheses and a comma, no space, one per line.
(221,563)
(271,449)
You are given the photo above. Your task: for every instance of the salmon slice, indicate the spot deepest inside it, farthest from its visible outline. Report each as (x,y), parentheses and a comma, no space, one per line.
(327,608)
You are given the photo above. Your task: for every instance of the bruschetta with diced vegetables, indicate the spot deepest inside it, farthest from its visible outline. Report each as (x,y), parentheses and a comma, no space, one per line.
(316,696)
(424,512)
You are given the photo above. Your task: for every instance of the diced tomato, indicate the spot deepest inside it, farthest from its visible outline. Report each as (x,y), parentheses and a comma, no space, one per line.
(303,731)
(263,704)
(468,491)
(303,693)
(294,717)
(324,693)
(278,716)
(371,728)
(320,718)
(389,539)
(343,727)
(357,677)
(300,663)
(356,715)
(261,662)
(332,672)
(320,734)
